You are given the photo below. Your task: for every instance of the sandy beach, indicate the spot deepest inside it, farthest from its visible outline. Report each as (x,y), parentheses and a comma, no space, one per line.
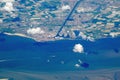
(16,34)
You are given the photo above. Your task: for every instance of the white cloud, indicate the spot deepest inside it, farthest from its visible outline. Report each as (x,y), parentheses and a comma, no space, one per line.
(7,0)
(84,37)
(80,9)
(114,34)
(66,7)
(80,61)
(35,31)
(78,48)
(81,34)
(8,7)
(77,65)
(1,21)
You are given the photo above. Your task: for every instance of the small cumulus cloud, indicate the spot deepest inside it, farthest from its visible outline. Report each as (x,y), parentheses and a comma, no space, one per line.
(35,31)
(7,0)
(114,34)
(85,37)
(1,21)
(77,65)
(8,7)
(81,34)
(80,9)
(78,48)
(66,7)
(80,61)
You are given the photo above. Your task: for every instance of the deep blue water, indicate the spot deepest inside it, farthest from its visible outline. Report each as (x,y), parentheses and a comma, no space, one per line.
(27,54)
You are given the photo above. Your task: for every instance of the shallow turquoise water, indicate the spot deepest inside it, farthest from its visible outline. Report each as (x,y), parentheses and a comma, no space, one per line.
(23,53)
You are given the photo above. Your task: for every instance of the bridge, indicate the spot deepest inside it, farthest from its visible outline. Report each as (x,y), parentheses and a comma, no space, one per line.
(68,17)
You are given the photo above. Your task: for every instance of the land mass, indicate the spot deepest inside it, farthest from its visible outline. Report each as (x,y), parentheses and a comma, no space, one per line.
(45,20)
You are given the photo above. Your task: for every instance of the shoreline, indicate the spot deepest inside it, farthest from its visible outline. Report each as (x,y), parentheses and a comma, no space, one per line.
(46,40)
(16,34)
(25,36)
(49,39)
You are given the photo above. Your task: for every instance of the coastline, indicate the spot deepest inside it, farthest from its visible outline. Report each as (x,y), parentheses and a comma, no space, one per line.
(37,40)
(25,36)
(16,34)
(49,39)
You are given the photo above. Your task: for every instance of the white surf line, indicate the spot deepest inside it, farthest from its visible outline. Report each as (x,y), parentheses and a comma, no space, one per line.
(18,34)
(15,34)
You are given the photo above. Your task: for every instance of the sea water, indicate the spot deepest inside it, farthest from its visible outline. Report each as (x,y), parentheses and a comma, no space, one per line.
(26,54)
